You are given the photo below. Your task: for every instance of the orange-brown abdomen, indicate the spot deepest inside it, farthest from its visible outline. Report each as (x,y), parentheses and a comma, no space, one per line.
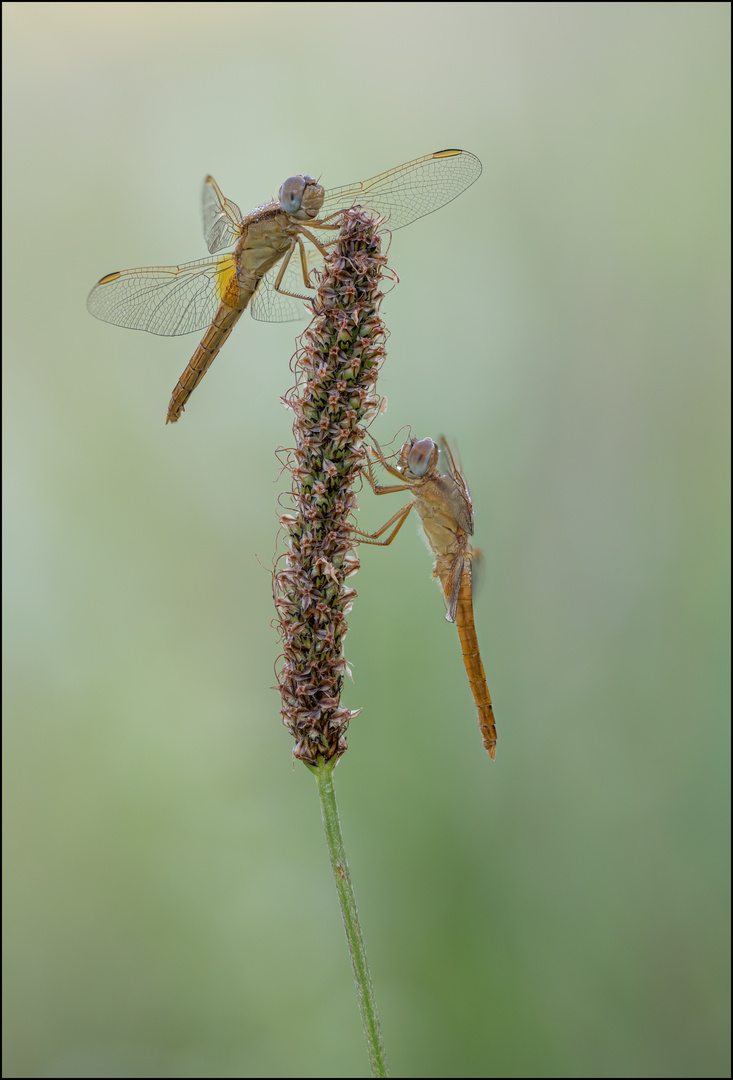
(472,660)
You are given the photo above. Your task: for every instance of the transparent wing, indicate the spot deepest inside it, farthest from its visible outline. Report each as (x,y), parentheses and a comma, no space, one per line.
(461,497)
(478,569)
(222,218)
(269,305)
(452,588)
(410,191)
(165,300)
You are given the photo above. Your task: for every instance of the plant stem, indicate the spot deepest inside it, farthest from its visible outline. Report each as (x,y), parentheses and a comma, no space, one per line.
(323,772)
(333,402)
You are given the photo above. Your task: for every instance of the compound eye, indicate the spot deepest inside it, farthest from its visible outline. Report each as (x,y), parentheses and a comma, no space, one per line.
(291,194)
(418,460)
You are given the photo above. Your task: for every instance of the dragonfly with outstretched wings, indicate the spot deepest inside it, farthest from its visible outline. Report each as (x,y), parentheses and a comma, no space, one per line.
(275,247)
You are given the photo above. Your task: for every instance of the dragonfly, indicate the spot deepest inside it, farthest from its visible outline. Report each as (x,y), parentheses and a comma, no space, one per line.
(276,248)
(444,505)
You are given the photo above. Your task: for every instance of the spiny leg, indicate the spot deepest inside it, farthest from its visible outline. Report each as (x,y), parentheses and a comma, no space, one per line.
(380,489)
(400,517)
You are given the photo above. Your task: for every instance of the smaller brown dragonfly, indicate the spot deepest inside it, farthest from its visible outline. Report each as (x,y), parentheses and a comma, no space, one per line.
(444,504)
(275,252)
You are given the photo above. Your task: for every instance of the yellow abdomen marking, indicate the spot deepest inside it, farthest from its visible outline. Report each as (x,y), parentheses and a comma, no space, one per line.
(227,285)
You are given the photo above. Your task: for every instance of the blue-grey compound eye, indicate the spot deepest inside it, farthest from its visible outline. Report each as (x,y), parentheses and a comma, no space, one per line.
(419,457)
(291,193)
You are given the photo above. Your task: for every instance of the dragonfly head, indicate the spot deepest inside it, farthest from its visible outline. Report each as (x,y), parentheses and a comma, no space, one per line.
(301,196)
(418,457)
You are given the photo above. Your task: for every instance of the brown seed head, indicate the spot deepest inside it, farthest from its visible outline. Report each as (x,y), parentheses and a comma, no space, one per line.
(334,400)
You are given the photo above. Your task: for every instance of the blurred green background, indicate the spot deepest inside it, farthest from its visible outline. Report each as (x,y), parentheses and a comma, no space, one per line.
(169,908)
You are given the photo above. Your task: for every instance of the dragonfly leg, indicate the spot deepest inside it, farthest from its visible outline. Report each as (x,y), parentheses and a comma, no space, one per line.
(379,489)
(304,263)
(314,240)
(400,518)
(322,223)
(384,489)
(283,267)
(297,241)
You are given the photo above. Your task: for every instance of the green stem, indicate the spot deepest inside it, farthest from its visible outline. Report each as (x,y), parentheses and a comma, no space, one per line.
(323,772)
